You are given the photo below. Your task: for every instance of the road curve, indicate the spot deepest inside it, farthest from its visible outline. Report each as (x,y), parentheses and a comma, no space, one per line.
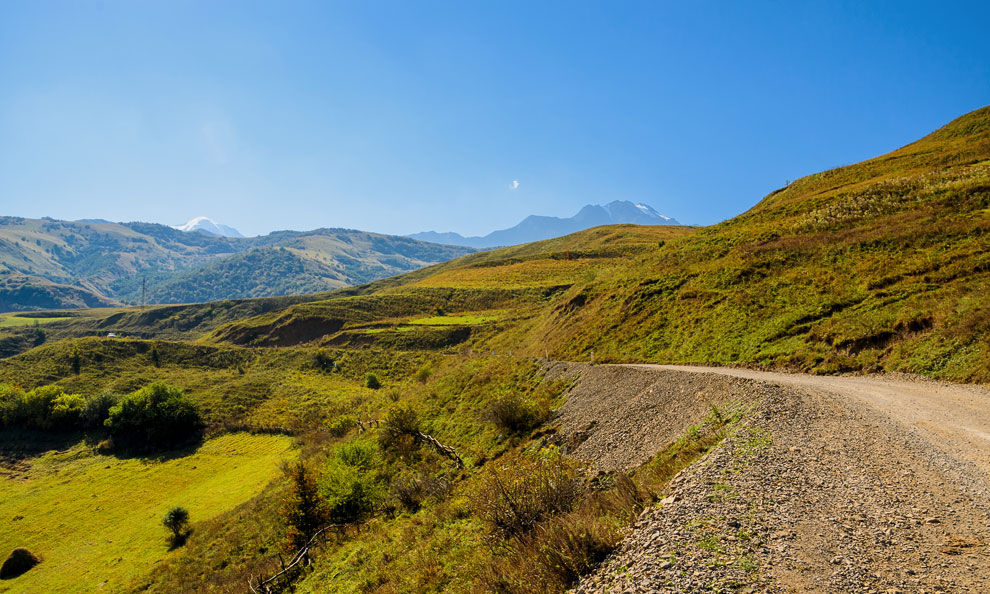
(955,418)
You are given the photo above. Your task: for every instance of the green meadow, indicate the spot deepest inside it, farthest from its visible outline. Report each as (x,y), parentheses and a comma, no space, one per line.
(13,320)
(95,520)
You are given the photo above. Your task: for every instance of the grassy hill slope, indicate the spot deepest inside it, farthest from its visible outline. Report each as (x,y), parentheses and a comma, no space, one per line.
(882,265)
(878,265)
(116,506)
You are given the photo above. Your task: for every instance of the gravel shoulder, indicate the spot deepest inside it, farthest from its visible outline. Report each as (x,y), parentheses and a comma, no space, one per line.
(830,484)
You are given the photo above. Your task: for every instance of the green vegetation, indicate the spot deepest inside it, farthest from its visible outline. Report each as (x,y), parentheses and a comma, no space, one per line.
(8,321)
(423,419)
(465,320)
(97,519)
(176,521)
(44,261)
(154,417)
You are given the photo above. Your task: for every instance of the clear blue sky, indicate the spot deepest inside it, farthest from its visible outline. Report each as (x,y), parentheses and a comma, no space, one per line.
(408,116)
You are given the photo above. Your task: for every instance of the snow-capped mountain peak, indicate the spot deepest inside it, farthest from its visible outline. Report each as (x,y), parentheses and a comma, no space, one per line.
(208,225)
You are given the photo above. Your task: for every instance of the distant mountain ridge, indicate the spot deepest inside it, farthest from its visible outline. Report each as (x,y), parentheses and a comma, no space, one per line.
(208,225)
(52,264)
(537,228)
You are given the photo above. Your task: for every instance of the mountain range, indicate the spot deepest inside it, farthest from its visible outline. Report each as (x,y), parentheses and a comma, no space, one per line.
(536,228)
(51,264)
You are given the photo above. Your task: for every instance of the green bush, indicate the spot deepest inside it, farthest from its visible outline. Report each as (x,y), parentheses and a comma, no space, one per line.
(371,381)
(11,405)
(97,409)
(340,425)
(352,484)
(47,408)
(516,414)
(156,416)
(323,360)
(66,412)
(399,432)
(176,520)
(423,374)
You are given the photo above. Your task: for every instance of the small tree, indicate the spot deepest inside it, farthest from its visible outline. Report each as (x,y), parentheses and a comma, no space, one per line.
(371,381)
(304,509)
(176,520)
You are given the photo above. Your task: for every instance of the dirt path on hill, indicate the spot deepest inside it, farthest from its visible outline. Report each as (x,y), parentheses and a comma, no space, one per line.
(953,417)
(831,484)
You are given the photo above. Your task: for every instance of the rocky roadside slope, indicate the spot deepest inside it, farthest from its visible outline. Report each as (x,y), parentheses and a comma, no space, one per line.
(814,491)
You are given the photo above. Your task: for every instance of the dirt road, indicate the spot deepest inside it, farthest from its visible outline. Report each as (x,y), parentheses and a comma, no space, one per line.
(952,417)
(831,484)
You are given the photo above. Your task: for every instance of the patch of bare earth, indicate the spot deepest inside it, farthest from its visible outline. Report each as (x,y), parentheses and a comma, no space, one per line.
(818,489)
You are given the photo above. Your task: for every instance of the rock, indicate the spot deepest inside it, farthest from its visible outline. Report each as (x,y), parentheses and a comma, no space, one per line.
(18,562)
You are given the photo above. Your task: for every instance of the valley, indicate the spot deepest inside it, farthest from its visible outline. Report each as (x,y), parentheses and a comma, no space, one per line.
(791,400)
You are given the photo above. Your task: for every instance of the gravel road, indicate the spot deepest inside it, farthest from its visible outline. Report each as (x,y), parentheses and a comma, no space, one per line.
(830,484)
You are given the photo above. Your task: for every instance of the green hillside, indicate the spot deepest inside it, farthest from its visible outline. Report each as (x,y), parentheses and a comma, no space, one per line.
(424,415)
(49,264)
(878,265)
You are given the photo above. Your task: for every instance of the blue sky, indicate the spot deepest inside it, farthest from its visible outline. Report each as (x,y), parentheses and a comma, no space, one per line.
(409,116)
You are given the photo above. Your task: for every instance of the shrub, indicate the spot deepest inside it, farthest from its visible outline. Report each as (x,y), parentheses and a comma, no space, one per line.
(66,412)
(423,374)
(156,416)
(304,510)
(352,484)
(340,425)
(399,431)
(11,405)
(513,413)
(46,407)
(371,381)
(410,489)
(519,491)
(176,520)
(322,360)
(97,409)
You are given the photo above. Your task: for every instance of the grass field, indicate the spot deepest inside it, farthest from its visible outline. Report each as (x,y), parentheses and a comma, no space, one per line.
(95,520)
(9,320)
(465,320)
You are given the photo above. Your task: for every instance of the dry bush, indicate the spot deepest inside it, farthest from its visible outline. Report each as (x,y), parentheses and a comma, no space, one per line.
(514,413)
(399,431)
(519,491)
(411,489)
(554,553)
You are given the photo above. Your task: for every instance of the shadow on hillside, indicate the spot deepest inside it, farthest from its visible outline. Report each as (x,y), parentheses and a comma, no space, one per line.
(19,446)
(173,452)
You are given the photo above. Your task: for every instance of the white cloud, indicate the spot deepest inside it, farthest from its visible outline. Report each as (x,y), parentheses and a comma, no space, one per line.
(514,185)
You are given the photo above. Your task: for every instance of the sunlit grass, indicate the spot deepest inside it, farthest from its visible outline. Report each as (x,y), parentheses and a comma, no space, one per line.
(8,321)
(95,520)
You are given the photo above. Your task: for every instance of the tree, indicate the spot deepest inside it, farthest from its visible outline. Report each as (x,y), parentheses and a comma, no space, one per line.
(304,510)
(371,381)
(176,520)
(156,416)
